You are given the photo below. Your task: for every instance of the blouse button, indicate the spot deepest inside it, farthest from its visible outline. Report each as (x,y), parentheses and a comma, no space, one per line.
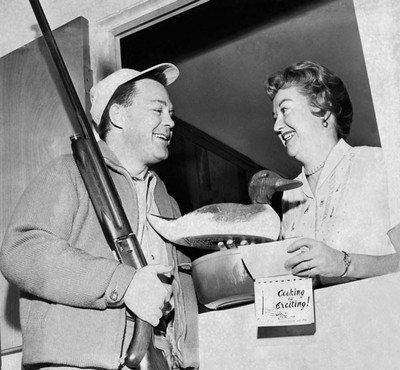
(114,296)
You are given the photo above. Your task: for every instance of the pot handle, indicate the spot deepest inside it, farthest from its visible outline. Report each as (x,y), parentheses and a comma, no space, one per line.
(185,268)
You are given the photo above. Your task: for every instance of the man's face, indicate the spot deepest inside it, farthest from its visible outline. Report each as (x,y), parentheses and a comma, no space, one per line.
(148,128)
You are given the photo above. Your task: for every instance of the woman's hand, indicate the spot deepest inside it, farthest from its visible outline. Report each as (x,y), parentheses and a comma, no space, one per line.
(315,258)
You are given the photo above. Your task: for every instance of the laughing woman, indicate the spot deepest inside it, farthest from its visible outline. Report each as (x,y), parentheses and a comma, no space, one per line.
(341,211)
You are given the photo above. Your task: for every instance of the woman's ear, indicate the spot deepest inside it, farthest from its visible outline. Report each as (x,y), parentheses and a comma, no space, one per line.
(117,116)
(325,119)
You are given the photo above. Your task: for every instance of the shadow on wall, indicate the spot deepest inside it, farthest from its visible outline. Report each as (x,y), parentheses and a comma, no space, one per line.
(206,27)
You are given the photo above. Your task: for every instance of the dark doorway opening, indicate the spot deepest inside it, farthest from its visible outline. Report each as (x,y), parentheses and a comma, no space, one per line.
(202,28)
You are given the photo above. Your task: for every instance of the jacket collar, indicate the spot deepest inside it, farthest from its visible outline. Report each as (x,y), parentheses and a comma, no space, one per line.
(110,158)
(113,162)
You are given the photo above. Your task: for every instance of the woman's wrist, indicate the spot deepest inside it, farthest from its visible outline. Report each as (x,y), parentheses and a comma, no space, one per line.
(347,264)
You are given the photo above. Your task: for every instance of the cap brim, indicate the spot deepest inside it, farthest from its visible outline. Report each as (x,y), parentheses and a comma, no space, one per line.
(169,70)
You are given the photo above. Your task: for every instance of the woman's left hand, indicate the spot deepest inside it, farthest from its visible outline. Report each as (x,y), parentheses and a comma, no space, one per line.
(315,258)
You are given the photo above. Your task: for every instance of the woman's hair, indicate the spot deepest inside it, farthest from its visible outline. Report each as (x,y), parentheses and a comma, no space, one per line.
(123,96)
(323,88)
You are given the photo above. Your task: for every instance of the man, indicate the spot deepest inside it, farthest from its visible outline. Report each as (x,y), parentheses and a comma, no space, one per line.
(74,294)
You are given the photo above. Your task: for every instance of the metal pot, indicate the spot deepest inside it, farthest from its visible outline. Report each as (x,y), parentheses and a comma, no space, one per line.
(221,280)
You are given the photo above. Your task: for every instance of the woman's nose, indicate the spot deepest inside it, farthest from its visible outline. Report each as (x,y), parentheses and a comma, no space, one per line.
(279,124)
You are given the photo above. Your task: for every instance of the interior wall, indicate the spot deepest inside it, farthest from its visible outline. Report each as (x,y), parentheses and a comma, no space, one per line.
(18,25)
(221,90)
(33,133)
(379,25)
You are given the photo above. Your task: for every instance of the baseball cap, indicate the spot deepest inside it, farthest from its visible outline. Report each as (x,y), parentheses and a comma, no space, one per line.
(101,93)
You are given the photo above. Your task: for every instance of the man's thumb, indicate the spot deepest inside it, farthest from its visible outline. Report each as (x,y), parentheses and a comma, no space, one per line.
(161,269)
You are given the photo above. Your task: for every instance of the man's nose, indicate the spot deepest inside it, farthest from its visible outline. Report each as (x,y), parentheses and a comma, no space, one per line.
(168,121)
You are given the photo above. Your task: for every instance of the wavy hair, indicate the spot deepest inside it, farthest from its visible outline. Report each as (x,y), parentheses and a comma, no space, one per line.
(325,91)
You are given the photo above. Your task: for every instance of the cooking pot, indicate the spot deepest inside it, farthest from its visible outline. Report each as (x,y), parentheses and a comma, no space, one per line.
(221,280)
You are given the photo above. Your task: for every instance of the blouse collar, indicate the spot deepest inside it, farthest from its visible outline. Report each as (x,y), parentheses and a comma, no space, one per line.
(334,158)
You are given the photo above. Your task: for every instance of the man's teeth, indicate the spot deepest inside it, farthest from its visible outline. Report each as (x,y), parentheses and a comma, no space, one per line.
(161,136)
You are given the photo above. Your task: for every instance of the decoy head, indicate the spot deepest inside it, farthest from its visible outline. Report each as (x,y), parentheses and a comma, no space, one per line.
(264,184)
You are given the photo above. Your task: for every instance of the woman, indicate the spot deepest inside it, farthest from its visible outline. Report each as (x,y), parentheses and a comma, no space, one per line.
(341,211)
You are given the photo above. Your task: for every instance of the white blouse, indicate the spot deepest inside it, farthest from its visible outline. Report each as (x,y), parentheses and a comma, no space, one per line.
(349,210)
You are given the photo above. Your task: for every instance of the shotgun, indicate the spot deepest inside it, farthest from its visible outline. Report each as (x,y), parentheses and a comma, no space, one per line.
(141,353)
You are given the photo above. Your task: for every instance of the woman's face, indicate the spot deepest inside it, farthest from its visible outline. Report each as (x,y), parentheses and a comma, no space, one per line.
(299,129)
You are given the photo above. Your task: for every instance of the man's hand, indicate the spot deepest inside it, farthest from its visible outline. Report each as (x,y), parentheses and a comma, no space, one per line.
(146,294)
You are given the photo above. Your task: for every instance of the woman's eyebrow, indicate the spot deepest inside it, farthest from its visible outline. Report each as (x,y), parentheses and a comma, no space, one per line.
(284,100)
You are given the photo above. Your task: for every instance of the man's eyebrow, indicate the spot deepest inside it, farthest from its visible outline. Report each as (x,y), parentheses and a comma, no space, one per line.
(163,102)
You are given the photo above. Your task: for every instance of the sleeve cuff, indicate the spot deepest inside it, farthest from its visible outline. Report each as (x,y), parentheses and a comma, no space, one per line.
(119,283)
(394,235)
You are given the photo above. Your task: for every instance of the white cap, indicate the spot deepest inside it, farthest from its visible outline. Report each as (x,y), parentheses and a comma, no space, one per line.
(101,93)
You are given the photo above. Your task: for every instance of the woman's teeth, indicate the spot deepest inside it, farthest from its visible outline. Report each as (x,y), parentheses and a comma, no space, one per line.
(287,136)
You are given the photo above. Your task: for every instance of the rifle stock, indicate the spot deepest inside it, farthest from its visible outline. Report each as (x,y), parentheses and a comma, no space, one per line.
(105,199)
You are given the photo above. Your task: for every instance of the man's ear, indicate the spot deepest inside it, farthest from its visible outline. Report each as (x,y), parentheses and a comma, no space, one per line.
(117,116)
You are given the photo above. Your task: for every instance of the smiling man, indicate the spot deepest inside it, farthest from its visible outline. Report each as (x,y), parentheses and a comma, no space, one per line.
(77,301)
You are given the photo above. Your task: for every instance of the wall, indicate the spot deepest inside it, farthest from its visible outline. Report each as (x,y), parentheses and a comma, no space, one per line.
(380,35)
(221,89)
(31,136)
(18,25)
